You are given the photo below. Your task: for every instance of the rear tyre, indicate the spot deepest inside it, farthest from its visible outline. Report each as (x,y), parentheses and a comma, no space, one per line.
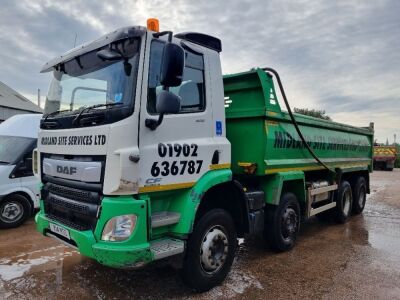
(14,210)
(359,195)
(210,251)
(344,201)
(283,223)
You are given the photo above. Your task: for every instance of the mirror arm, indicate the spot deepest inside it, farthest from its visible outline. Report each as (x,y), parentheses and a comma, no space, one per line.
(158,34)
(152,124)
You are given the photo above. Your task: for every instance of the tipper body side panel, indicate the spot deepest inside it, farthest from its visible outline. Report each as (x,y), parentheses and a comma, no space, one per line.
(264,137)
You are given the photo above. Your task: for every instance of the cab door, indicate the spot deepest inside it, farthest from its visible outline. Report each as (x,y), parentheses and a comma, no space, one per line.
(180,150)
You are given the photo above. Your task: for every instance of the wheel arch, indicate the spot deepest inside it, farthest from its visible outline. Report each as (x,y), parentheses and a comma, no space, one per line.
(278,184)
(230,197)
(352,177)
(296,187)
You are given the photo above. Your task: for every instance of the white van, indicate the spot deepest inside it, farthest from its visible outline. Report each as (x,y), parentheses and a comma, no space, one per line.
(19,189)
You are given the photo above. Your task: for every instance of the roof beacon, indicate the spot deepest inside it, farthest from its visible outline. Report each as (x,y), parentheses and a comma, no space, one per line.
(153,24)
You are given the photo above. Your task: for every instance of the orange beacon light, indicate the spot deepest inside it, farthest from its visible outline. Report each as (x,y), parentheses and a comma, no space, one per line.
(153,24)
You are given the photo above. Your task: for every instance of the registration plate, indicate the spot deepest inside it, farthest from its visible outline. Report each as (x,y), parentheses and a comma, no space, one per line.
(59,230)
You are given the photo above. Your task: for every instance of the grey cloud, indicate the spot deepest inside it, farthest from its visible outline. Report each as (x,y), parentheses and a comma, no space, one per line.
(340,56)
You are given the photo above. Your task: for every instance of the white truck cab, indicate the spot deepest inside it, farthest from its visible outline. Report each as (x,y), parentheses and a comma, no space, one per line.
(19,188)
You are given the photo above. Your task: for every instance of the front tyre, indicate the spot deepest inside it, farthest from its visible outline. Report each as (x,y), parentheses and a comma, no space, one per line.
(283,223)
(14,210)
(210,251)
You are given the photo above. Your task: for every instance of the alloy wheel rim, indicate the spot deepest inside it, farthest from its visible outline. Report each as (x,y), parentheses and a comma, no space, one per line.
(289,223)
(11,212)
(214,250)
(361,197)
(346,203)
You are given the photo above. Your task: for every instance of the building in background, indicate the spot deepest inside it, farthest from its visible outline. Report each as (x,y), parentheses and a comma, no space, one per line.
(12,103)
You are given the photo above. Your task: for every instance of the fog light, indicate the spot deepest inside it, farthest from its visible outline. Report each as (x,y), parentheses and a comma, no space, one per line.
(119,228)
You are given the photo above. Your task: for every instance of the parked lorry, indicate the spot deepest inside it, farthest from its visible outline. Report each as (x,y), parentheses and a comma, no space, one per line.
(384,157)
(19,188)
(147,151)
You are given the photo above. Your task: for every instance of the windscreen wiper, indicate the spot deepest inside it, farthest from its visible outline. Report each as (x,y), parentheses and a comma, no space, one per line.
(4,162)
(55,113)
(78,117)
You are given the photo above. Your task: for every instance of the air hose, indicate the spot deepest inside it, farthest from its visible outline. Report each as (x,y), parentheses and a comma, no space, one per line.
(294,120)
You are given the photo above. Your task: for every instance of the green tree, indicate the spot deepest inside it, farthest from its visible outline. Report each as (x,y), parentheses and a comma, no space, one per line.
(313,113)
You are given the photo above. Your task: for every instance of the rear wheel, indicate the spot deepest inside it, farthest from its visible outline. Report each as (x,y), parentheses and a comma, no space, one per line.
(14,210)
(344,201)
(210,251)
(359,195)
(283,223)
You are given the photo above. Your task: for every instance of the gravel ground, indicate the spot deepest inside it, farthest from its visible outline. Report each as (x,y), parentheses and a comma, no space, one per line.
(360,259)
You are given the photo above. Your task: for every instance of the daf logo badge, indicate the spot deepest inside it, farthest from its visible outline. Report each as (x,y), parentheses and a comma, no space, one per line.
(66,170)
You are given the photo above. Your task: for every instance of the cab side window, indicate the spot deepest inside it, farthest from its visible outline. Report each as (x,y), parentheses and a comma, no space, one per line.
(192,88)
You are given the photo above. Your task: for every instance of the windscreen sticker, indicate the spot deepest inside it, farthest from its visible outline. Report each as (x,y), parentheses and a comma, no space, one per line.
(218,128)
(81,140)
(118,97)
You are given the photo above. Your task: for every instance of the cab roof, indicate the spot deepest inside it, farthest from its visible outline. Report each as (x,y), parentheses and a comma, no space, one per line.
(23,125)
(114,36)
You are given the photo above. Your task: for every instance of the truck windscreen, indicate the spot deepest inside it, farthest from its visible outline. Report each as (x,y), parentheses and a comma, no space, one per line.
(90,80)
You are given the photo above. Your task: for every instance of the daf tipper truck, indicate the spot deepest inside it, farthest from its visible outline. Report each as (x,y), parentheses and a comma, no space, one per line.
(146,151)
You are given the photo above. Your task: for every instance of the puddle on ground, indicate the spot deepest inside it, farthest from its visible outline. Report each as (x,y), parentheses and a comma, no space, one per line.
(33,262)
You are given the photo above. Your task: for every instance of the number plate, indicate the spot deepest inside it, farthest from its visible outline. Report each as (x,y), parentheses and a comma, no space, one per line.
(59,230)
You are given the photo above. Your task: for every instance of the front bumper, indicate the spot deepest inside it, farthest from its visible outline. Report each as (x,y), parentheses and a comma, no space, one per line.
(129,253)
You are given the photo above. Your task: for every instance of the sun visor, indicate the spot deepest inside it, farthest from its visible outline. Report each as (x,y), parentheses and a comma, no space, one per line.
(117,35)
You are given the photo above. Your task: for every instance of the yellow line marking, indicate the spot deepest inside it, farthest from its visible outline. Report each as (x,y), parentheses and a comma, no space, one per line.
(270,171)
(245,164)
(277,170)
(220,166)
(272,123)
(165,187)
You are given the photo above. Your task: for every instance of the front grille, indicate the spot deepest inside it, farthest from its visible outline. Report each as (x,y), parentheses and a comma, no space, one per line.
(71,193)
(70,206)
(75,208)
(67,222)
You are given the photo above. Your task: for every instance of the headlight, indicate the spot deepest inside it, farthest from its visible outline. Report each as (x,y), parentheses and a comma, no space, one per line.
(35,162)
(119,228)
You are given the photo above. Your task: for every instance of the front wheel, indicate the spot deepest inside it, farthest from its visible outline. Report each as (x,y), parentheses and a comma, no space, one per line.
(283,223)
(210,251)
(14,210)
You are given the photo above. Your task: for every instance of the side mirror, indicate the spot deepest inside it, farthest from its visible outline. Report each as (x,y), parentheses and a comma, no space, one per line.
(173,63)
(168,103)
(109,55)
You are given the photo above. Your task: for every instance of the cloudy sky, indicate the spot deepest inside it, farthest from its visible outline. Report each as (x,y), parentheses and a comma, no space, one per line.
(340,56)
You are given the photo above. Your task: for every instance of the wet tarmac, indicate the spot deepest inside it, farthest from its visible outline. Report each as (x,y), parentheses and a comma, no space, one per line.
(360,259)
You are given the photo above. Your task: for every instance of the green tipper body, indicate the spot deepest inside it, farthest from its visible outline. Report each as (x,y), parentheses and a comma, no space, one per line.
(263,136)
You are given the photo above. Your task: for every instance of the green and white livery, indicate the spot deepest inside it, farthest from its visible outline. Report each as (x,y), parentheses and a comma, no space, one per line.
(146,151)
